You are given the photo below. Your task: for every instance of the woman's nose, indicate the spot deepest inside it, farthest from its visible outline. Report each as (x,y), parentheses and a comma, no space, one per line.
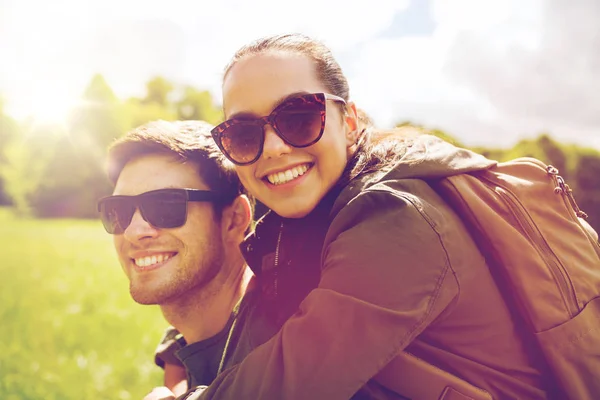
(274,145)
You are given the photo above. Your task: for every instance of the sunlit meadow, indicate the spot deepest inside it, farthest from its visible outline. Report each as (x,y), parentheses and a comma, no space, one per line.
(68,328)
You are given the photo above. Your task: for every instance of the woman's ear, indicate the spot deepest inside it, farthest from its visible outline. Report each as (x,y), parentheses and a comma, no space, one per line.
(236,219)
(351,124)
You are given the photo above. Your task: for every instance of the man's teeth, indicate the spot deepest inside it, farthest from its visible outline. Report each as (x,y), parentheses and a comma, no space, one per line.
(151,260)
(279,178)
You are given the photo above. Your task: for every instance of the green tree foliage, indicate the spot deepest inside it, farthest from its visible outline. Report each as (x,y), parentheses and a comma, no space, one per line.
(158,90)
(27,159)
(137,112)
(73,176)
(99,91)
(587,191)
(435,132)
(198,105)
(154,105)
(71,181)
(53,171)
(543,148)
(100,117)
(59,171)
(9,132)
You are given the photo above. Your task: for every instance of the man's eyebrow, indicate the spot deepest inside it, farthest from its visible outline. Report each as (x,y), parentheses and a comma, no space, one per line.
(246,114)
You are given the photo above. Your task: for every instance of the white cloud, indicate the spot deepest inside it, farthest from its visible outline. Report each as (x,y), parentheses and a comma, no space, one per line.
(492,70)
(340,24)
(554,86)
(65,42)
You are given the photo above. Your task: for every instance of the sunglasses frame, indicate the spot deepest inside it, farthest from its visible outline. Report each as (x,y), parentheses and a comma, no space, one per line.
(196,195)
(319,98)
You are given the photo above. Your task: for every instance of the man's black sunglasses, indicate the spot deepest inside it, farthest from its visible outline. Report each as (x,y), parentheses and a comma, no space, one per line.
(162,208)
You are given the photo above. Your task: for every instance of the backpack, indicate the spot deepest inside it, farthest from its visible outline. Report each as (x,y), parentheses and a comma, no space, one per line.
(546,258)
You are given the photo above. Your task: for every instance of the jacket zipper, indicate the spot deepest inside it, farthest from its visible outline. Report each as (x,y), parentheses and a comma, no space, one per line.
(535,237)
(233,325)
(275,282)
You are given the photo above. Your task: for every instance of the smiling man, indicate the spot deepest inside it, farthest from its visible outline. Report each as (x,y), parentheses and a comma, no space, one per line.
(178,215)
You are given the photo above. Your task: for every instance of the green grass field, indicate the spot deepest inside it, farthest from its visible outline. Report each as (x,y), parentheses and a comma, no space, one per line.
(68,328)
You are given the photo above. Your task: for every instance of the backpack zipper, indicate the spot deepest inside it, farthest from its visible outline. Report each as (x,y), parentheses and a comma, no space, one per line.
(565,190)
(537,239)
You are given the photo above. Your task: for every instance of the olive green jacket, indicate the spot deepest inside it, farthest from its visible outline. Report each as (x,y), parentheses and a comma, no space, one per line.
(382,268)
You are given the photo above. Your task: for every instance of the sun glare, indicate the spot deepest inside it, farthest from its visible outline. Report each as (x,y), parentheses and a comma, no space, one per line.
(42,107)
(51,108)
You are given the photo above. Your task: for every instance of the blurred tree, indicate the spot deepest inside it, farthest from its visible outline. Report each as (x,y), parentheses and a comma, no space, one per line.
(492,154)
(71,182)
(99,91)
(543,148)
(158,90)
(26,159)
(138,112)
(446,136)
(153,106)
(9,132)
(68,174)
(525,148)
(73,177)
(435,132)
(59,171)
(198,105)
(554,154)
(406,123)
(587,192)
(100,117)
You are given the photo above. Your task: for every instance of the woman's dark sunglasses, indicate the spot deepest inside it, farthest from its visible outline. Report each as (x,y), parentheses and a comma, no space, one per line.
(163,208)
(299,121)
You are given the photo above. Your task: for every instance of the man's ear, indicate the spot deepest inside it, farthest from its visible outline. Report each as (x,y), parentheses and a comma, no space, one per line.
(351,123)
(236,219)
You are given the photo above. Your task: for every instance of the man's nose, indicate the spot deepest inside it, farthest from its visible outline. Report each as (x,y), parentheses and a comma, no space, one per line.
(139,228)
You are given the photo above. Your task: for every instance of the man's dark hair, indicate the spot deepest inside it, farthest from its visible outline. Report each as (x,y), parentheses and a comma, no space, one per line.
(186,141)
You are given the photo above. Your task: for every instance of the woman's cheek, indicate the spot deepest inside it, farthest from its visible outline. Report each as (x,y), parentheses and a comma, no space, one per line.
(246,175)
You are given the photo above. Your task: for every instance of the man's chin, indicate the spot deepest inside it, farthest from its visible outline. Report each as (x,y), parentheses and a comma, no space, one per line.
(145,300)
(148,297)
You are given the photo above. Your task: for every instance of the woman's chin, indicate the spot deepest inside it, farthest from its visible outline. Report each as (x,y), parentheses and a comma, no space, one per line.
(293,208)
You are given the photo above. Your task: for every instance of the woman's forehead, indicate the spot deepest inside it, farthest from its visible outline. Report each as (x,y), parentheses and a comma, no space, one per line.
(256,84)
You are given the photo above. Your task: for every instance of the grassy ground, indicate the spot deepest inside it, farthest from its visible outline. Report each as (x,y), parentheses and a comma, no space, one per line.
(68,328)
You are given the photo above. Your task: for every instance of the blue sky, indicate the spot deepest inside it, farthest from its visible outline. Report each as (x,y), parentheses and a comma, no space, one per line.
(487,71)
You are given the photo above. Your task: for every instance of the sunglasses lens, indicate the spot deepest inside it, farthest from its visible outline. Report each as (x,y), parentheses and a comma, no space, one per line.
(301,121)
(242,141)
(166,209)
(116,214)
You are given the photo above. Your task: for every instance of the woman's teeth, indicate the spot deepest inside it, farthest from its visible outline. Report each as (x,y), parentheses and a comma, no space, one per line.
(151,260)
(282,177)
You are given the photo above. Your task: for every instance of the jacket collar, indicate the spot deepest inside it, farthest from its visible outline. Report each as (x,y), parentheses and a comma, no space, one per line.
(263,239)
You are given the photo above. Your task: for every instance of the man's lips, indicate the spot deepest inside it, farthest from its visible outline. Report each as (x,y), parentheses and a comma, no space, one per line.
(149,260)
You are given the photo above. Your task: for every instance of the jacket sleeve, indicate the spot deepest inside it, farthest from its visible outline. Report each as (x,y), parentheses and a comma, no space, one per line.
(385,277)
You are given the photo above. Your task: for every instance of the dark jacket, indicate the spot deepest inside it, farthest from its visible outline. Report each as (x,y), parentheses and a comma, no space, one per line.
(381,266)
